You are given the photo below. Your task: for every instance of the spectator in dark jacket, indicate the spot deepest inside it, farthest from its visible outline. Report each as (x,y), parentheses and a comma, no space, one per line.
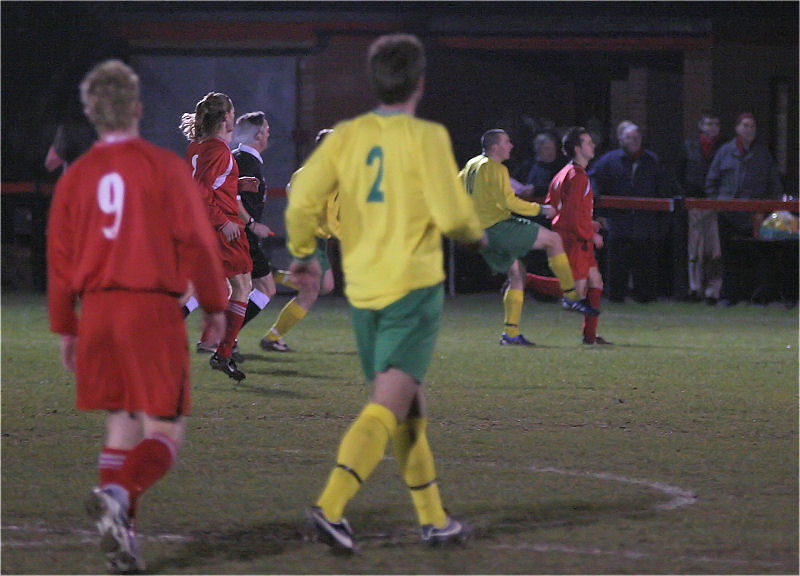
(742,168)
(546,164)
(636,239)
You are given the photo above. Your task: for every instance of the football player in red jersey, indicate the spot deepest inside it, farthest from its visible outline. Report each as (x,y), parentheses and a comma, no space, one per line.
(127,232)
(570,193)
(210,131)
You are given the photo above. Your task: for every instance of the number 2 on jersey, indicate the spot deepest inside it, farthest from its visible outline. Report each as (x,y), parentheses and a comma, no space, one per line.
(375,193)
(111,200)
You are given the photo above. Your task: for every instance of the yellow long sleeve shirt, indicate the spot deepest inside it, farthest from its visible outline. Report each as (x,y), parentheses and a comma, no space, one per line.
(329,221)
(489,184)
(398,192)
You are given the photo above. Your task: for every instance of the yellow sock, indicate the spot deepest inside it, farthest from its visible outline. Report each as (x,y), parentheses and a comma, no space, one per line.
(291,314)
(282,277)
(559,264)
(360,452)
(415,458)
(512,302)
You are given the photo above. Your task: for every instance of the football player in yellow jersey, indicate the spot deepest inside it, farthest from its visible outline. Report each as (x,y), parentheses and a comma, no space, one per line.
(399,191)
(297,308)
(510,238)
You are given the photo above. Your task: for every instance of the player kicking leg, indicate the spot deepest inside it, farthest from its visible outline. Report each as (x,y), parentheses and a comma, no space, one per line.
(297,308)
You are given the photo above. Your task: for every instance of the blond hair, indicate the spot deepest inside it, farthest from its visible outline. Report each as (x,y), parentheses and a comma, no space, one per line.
(109,94)
(209,114)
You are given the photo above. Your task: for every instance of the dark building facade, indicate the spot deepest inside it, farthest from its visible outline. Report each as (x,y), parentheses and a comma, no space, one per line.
(520,66)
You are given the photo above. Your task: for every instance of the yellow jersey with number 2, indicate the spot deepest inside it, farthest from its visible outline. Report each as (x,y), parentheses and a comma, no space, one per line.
(398,192)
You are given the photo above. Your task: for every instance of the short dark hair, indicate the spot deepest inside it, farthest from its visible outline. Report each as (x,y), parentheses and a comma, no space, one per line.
(491,137)
(707,115)
(395,63)
(571,139)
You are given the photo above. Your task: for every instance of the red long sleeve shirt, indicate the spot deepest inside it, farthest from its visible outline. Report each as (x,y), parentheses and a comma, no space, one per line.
(214,168)
(570,193)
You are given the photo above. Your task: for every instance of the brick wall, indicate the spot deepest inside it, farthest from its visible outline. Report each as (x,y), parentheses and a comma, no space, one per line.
(333,86)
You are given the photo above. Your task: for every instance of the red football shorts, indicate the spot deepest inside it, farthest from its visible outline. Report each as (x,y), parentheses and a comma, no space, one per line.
(235,255)
(581,257)
(132,354)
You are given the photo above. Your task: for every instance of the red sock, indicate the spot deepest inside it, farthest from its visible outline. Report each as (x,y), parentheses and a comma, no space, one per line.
(547,285)
(110,463)
(147,463)
(234,315)
(590,322)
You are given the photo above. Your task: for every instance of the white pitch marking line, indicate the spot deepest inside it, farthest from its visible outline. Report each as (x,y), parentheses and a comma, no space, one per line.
(680,496)
(60,536)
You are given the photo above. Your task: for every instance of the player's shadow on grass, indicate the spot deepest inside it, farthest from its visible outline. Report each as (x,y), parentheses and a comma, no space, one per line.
(237,544)
(617,344)
(284,357)
(283,373)
(486,523)
(269,390)
(494,522)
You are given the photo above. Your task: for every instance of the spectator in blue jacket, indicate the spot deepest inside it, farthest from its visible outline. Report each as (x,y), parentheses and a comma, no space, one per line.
(636,242)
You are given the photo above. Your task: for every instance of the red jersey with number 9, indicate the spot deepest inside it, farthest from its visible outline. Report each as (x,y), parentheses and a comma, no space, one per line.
(128,216)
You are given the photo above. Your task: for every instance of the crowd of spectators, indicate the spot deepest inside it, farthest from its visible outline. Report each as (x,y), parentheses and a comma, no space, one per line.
(725,261)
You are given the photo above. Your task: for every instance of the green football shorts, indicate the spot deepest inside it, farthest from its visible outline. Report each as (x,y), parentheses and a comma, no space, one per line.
(509,240)
(321,253)
(400,336)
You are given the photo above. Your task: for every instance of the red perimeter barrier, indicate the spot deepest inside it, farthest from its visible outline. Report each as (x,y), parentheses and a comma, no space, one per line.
(650,204)
(671,204)
(741,205)
(47,188)
(26,188)
(617,202)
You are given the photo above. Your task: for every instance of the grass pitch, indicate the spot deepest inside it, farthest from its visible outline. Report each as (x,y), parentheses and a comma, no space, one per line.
(673,451)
